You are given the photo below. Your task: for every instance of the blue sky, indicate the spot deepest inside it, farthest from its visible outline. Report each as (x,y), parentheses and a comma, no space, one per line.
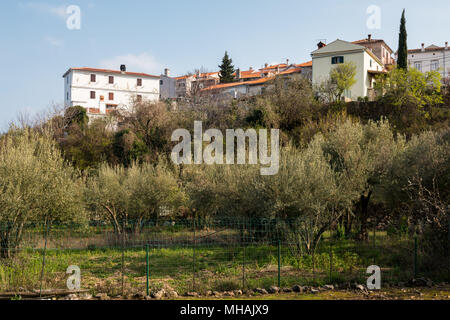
(149,35)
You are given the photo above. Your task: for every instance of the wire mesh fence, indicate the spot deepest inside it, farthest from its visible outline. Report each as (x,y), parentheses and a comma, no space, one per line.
(206,255)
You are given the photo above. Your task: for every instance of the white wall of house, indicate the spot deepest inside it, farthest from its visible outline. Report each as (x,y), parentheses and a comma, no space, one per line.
(426,61)
(167,87)
(359,55)
(78,87)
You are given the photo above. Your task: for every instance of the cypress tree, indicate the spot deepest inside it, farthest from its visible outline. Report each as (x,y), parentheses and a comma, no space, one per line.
(402,44)
(226,69)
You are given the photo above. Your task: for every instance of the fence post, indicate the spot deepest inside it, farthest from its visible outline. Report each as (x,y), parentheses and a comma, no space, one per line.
(123,257)
(147,269)
(415,256)
(279,263)
(243,256)
(331,261)
(43,257)
(193,261)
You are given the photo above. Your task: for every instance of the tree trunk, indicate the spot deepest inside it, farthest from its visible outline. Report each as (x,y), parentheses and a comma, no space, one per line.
(364,202)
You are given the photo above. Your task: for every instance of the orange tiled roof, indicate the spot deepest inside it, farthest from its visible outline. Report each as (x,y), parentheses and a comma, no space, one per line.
(293,70)
(111,71)
(236,84)
(305,64)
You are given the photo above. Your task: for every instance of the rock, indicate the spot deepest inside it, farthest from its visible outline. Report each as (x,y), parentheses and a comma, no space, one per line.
(209,293)
(237,292)
(287,290)
(261,291)
(328,287)
(158,294)
(360,287)
(72,297)
(314,291)
(171,294)
(297,288)
(192,294)
(148,298)
(139,296)
(86,296)
(273,289)
(228,294)
(102,296)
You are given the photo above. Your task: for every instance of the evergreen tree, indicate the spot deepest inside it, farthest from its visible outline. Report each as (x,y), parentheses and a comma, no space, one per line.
(402,44)
(226,70)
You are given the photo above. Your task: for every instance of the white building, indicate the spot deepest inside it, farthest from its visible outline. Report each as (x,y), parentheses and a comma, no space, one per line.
(101,91)
(167,86)
(431,58)
(368,65)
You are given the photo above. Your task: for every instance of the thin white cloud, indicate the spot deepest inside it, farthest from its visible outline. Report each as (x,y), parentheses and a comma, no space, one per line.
(138,63)
(54,41)
(45,8)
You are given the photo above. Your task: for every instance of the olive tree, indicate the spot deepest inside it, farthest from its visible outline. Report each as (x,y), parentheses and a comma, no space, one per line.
(127,196)
(37,185)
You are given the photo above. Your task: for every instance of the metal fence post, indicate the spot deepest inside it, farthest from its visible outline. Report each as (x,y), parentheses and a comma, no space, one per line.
(193,261)
(43,258)
(415,256)
(147,269)
(279,263)
(331,261)
(123,258)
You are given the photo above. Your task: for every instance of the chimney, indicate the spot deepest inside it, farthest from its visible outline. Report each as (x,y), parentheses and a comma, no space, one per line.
(287,62)
(266,65)
(446,45)
(369,37)
(238,74)
(251,68)
(167,72)
(123,68)
(423,47)
(320,45)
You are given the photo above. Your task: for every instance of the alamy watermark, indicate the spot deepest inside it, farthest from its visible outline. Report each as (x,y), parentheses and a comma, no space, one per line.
(374,20)
(73,21)
(213,152)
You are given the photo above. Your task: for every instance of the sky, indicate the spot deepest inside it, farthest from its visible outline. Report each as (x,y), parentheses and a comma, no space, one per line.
(38,45)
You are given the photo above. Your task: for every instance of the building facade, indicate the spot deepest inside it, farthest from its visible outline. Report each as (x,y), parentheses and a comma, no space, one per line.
(431,58)
(380,49)
(167,86)
(101,91)
(367,66)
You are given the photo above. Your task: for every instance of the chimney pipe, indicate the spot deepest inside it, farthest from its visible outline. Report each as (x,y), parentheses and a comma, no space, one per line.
(446,45)
(123,68)
(423,47)
(287,62)
(167,72)
(369,37)
(266,65)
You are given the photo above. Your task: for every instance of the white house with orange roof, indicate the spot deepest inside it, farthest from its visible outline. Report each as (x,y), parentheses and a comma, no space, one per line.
(101,91)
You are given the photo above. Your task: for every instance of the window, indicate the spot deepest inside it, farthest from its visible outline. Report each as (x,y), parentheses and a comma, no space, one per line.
(93,78)
(111,79)
(111,96)
(161,82)
(139,98)
(139,82)
(67,96)
(371,63)
(418,65)
(337,60)
(92,94)
(434,65)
